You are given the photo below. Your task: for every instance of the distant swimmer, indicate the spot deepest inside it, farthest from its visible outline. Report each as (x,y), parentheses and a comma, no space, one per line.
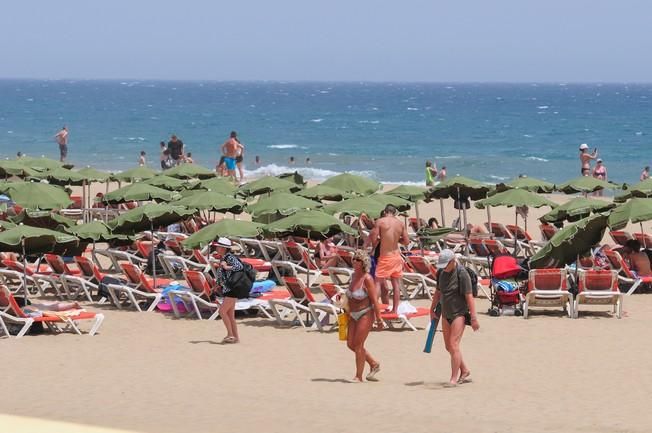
(257,160)
(142,161)
(164,157)
(431,173)
(62,139)
(308,161)
(645,174)
(586,157)
(230,150)
(291,160)
(441,176)
(189,159)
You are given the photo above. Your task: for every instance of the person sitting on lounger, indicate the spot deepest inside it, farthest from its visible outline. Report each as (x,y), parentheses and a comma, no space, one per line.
(433,223)
(363,308)
(326,254)
(639,262)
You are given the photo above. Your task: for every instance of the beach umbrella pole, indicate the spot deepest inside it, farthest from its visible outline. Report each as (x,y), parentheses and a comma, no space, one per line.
(83,206)
(441,207)
(151,224)
(644,237)
(22,243)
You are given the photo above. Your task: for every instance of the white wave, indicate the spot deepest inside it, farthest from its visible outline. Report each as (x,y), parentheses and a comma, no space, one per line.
(316,120)
(412,109)
(372,122)
(307,172)
(528,135)
(639,133)
(283,146)
(537,158)
(491,176)
(542,107)
(333,154)
(10,132)
(448,157)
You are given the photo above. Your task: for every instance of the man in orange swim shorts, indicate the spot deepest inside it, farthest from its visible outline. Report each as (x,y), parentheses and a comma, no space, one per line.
(389,232)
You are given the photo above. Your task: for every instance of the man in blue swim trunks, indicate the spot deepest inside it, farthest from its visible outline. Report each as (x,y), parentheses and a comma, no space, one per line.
(230,150)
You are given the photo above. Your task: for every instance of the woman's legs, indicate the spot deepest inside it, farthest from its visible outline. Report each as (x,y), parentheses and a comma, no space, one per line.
(452,337)
(357,334)
(226,312)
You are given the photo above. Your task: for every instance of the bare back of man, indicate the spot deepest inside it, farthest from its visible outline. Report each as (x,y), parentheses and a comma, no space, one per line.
(388,233)
(230,150)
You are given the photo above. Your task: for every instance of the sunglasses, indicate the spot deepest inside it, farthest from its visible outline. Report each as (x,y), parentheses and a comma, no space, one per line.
(357,260)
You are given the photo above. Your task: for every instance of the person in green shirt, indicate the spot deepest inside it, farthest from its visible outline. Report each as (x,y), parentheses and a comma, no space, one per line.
(431,173)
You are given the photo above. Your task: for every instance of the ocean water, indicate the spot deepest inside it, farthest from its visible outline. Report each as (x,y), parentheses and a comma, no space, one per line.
(491,132)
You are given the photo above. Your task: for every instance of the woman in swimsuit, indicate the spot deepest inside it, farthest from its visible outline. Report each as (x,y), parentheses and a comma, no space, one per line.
(599,172)
(363,307)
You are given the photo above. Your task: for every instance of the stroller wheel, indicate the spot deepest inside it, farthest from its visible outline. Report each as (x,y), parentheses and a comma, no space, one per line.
(493,312)
(518,312)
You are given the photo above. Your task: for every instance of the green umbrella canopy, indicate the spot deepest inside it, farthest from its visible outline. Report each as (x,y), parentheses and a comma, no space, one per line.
(4,225)
(266,185)
(465,187)
(642,189)
(352,183)
(42,218)
(93,175)
(37,240)
(575,209)
(169,183)
(515,197)
(63,176)
(322,192)
(139,192)
(190,171)
(430,236)
(293,177)
(308,224)
(218,184)
(225,227)
(570,242)
(42,163)
(585,184)
(371,205)
(211,201)
(527,183)
(96,231)
(636,210)
(282,203)
(144,217)
(410,193)
(37,195)
(135,174)
(15,168)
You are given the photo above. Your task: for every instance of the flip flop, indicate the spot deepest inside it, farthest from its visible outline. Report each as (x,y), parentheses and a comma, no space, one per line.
(465,379)
(371,377)
(450,385)
(229,340)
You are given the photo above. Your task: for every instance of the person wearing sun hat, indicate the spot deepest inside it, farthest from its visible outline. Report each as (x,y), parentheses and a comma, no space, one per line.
(586,157)
(458,308)
(229,263)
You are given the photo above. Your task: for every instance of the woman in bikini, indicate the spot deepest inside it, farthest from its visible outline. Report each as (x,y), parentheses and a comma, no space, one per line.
(599,172)
(363,308)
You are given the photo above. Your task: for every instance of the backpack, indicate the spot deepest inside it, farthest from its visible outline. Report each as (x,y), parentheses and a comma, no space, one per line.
(242,280)
(472,276)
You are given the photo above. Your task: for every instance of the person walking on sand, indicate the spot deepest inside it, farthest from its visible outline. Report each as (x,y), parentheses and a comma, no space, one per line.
(458,308)
(388,232)
(62,139)
(363,309)
(230,150)
(431,173)
(586,157)
(645,174)
(229,264)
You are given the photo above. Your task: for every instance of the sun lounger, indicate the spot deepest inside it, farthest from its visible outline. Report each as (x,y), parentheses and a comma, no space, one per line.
(285,268)
(644,239)
(404,320)
(340,276)
(620,237)
(625,274)
(547,231)
(599,287)
(548,288)
(290,309)
(324,310)
(44,282)
(11,312)
(415,284)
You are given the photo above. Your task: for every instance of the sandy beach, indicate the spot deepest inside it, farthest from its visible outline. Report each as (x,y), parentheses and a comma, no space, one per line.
(148,372)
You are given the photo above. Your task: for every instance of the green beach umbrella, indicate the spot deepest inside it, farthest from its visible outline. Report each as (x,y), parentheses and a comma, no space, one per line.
(218,184)
(514,197)
(147,216)
(352,183)
(135,174)
(93,175)
(37,195)
(97,231)
(642,189)
(42,218)
(225,227)
(169,183)
(428,236)
(210,201)
(4,225)
(190,171)
(280,204)
(636,210)
(267,184)
(139,192)
(527,183)
(293,177)
(10,168)
(460,186)
(410,193)
(576,209)
(310,224)
(42,163)
(322,192)
(570,242)
(371,205)
(63,176)
(585,184)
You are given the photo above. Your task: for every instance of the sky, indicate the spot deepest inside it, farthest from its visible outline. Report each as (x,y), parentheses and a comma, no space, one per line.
(334,40)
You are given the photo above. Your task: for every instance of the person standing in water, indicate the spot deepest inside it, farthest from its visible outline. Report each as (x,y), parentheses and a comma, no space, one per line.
(230,150)
(431,173)
(586,157)
(599,172)
(645,174)
(142,161)
(442,174)
(62,139)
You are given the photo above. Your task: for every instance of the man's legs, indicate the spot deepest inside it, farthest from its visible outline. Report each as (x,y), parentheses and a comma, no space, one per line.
(381,287)
(452,337)
(396,295)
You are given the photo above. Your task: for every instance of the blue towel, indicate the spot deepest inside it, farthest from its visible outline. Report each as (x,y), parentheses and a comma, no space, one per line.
(505,286)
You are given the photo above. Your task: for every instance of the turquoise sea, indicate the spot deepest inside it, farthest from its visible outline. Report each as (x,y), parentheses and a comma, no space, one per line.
(491,132)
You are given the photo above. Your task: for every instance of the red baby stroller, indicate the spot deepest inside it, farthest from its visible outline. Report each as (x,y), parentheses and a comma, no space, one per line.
(505,292)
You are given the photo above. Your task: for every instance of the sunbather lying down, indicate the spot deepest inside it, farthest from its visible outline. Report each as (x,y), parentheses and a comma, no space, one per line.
(53,306)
